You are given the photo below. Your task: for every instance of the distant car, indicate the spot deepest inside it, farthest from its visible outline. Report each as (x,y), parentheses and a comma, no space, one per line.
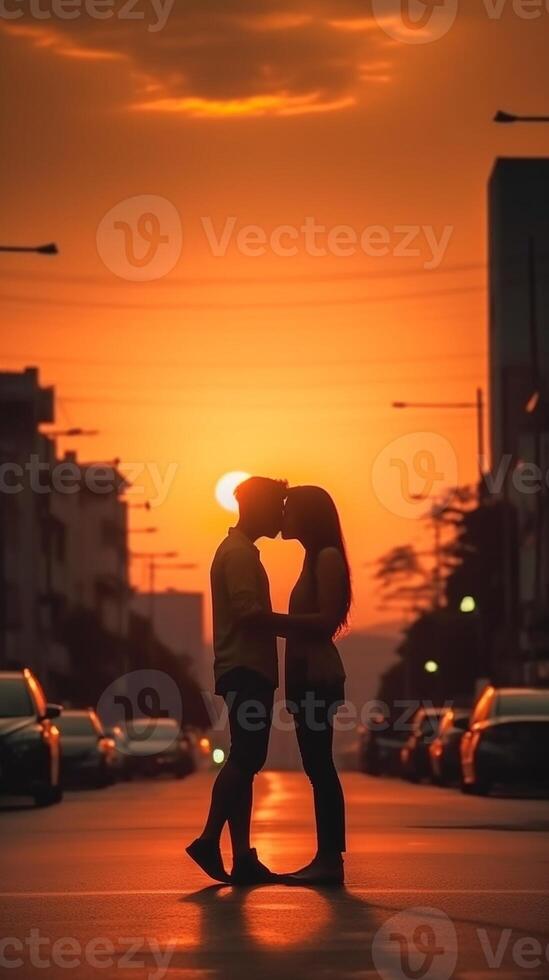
(29,741)
(507,740)
(444,750)
(157,745)
(414,756)
(380,746)
(87,753)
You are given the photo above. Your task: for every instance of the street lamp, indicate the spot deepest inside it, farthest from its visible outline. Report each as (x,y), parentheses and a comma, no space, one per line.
(508,117)
(467,604)
(477,405)
(49,249)
(57,433)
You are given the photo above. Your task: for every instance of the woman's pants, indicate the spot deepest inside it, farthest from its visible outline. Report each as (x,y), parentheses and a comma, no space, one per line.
(314,730)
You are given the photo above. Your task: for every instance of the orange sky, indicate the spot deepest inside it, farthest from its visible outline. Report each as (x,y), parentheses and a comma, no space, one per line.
(277,364)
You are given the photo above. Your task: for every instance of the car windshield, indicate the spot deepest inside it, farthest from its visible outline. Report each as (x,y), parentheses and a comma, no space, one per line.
(15,700)
(524,703)
(75,725)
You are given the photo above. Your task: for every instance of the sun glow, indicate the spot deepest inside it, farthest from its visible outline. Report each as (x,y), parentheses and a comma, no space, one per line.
(225,488)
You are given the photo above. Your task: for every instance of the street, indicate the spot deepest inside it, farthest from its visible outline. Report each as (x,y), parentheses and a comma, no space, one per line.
(101,886)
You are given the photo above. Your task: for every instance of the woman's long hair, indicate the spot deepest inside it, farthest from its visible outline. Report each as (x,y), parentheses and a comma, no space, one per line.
(320,527)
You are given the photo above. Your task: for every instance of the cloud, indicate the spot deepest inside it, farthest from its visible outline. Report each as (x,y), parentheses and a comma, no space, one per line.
(202,59)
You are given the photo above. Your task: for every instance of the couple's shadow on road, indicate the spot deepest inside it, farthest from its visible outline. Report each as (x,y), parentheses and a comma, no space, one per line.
(282,931)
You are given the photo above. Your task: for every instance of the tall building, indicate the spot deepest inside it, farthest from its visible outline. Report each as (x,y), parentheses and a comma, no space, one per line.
(63,536)
(179,625)
(519,382)
(24,509)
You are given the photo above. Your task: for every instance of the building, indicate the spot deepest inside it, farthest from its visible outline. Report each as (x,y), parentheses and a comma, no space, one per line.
(63,536)
(179,624)
(25,454)
(89,521)
(519,383)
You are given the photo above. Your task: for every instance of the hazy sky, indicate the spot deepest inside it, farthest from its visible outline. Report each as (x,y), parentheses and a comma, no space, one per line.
(274,349)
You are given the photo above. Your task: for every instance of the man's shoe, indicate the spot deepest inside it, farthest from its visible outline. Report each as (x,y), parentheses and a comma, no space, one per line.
(248,870)
(323,871)
(207,855)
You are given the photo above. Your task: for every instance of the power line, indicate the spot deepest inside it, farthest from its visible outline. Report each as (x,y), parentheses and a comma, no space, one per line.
(92,362)
(259,305)
(199,281)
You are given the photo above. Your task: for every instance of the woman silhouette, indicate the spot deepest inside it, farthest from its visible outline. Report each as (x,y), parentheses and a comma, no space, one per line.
(315,678)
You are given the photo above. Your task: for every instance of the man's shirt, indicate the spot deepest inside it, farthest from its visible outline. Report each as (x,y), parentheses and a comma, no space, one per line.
(239,586)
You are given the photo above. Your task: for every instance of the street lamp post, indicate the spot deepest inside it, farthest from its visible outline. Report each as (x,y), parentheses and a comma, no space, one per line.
(507,118)
(70,433)
(478,406)
(49,249)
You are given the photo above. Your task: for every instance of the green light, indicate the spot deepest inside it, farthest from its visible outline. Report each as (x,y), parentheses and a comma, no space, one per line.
(467,604)
(431,666)
(218,756)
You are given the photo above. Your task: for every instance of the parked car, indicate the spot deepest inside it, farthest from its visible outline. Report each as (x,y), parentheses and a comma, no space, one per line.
(157,745)
(120,760)
(444,750)
(380,745)
(87,753)
(29,740)
(507,740)
(414,756)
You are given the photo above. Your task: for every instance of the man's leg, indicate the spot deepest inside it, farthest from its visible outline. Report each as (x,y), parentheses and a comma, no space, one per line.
(250,715)
(250,724)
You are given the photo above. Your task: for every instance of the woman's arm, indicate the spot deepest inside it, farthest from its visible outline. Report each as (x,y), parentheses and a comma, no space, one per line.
(330,578)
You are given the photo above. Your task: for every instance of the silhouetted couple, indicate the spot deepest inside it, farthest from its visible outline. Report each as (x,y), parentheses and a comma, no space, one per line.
(246,672)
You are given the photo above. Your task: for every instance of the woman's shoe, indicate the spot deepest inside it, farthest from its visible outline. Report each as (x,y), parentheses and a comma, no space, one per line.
(207,855)
(325,870)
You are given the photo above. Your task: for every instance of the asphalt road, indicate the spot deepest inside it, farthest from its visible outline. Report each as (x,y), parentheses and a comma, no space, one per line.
(100,886)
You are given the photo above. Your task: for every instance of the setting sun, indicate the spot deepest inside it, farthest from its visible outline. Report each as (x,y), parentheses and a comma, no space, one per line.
(225,488)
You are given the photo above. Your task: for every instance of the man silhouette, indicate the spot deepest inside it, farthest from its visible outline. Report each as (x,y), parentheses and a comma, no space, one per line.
(246,675)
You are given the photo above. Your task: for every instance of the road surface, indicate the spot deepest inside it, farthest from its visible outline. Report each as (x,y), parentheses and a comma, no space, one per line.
(439,885)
